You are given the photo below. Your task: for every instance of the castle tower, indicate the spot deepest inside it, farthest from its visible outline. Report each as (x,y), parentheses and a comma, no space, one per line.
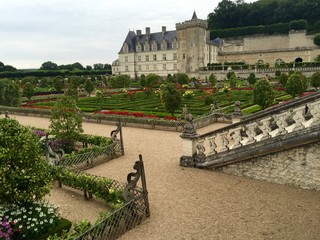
(192,38)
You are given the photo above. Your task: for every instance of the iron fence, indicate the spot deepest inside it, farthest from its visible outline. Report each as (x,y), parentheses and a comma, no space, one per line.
(134,211)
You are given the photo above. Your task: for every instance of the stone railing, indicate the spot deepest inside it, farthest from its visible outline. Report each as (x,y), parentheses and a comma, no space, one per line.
(223,146)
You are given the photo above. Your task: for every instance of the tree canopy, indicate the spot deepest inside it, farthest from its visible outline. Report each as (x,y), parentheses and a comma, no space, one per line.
(296,84)
(263,93)
(235,14)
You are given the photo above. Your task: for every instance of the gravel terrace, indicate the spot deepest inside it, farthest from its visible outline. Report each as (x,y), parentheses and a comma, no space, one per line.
(192,204)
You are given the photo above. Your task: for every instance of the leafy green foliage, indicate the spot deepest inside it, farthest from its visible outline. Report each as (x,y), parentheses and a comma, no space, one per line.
(88,86)
(298,24)
(263,94)
(28,90)
(316,39)
(9,93)
(49,66)
(230,74)
(170,97)
(283,78)
(24,176)
(120,81)
(66,122)
(252,78)
(182,78)
(153,80)
(143,82)
(315,80)
(296,84)
(213,79)
(233,81)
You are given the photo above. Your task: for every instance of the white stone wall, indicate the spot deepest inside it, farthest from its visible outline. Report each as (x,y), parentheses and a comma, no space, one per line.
(298,167)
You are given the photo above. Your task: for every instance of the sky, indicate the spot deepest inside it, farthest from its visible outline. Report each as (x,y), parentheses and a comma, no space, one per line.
(92,31)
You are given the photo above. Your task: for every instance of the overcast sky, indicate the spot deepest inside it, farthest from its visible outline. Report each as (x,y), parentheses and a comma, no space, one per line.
(92,31)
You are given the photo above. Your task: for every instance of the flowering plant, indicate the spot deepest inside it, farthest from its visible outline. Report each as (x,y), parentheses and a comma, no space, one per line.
(188,94)
(30,221)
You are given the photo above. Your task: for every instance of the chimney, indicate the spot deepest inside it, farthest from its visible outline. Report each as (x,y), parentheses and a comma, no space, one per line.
(164,29)
(147,30)
(138,33)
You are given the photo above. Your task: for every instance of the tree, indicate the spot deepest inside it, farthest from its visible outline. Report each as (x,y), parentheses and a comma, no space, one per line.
(296,84)
(143,82)
(182,78)
(120,81)
(315,80)
(233,81)
(66,122)
(88,86)
(28,90)
(213,79)
(230,74)
(98,66)
(170,97)
(252,78)
(153,80)
(298,24)
(58,83)
(263,93)
(49,66)
(11,94)
(316,39)
(317,58)
(24,176)
(283,78)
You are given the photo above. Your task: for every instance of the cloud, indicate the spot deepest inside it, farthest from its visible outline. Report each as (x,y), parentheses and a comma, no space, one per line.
(35,31)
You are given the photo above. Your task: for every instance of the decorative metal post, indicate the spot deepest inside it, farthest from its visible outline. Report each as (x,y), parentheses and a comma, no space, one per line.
(189,148)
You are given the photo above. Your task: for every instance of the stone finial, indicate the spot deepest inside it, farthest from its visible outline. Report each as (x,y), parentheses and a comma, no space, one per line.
(237,110)
(189,130)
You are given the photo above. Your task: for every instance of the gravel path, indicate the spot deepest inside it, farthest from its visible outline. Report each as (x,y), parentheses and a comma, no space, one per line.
(192,204)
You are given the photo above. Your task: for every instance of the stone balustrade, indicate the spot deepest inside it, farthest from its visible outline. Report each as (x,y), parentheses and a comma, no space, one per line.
(206,149)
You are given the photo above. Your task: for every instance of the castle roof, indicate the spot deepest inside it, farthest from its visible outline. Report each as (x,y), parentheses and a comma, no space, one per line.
(132,39)
(194,16)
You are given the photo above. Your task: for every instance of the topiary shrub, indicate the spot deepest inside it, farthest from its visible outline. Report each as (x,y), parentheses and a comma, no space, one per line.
(24,176)
(316,39)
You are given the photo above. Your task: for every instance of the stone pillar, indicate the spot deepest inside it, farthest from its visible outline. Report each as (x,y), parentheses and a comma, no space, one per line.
(189,144)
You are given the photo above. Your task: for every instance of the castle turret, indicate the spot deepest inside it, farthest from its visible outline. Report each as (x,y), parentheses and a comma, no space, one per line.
(192,36)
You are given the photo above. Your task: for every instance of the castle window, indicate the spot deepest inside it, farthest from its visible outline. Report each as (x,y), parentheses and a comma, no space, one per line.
(139,67)
(155,67)
(147,58)
(260,61)
(164,57)
(155,57)
(147,67)
(146,47)
(125,48)
(126,59)
(174,56)
(174,45)
(139,58)
(164,67)
(139,47)
(127,68)
(154,46)
(184,56)
(175,66)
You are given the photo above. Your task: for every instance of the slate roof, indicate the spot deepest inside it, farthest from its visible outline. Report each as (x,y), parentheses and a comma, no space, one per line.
(133,39)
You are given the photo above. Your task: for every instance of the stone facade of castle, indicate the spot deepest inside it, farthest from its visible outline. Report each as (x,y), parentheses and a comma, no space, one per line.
(188,48)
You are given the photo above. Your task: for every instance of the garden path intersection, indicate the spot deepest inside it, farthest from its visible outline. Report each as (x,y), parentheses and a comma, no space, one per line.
(188,203)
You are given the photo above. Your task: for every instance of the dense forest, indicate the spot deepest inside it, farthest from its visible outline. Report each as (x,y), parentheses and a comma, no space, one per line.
(237,14)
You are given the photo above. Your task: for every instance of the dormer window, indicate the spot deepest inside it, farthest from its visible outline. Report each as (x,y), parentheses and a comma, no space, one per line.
(125,48)
(139,48)
(175,44)
(164,45)
(154,46)
(146,47)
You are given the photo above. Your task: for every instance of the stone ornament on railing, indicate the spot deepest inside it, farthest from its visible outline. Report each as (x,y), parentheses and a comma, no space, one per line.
(53,157)
(200,156)
(189,129)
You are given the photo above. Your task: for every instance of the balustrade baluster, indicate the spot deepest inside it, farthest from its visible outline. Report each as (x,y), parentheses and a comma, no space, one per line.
(265,128)
(225,142)
(212,144)
(298,118)
(236,136)
(314,109)
(251,133)
(281,121)
(200,156)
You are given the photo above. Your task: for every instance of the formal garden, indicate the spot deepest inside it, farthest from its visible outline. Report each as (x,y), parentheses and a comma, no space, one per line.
(34,159)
